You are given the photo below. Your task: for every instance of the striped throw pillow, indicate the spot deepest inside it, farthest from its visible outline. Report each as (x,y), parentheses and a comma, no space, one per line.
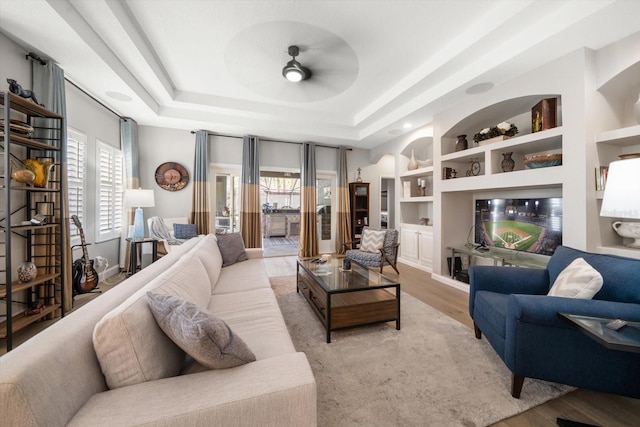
(372,240)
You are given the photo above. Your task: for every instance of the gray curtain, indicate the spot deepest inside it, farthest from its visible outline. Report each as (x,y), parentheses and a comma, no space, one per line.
(343,213)
(49,87)
(250,225)
(308,216)
(200,214)
(129,146)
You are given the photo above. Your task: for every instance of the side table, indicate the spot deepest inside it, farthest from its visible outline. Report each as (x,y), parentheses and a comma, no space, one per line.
(625,339)
(133,251)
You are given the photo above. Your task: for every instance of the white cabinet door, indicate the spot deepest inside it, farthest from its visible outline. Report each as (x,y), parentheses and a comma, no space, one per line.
(409,243)
(425,250)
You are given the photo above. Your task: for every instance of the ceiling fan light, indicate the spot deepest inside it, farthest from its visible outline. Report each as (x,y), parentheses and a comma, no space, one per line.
(294,71)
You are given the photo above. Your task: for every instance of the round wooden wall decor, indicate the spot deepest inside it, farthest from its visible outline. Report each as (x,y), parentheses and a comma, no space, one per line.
(172,176)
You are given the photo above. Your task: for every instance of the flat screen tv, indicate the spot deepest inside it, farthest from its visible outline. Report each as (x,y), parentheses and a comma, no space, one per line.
(531,225)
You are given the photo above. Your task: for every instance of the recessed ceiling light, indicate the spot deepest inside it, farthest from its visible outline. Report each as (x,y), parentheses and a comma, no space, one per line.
(479,88)
(407,125)
(119,96)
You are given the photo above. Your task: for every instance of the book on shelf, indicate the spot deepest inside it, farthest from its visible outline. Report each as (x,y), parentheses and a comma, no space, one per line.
(601,177)
(406,189)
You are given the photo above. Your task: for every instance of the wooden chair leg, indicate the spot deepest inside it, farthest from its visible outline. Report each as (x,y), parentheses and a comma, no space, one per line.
(477,331)
(516,385)
(395,268)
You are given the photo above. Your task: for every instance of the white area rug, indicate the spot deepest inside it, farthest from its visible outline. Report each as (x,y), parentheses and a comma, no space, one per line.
(433,372)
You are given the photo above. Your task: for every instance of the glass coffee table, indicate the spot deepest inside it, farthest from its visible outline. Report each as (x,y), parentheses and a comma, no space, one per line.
(342,299)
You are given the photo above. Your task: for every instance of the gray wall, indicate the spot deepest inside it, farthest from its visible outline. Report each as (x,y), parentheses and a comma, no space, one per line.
(84,115)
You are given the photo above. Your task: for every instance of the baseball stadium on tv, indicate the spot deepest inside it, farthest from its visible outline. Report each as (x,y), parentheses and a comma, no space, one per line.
(531,225)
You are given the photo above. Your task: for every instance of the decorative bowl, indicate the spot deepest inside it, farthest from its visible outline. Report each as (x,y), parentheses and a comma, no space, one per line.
(425,163)
(543,160)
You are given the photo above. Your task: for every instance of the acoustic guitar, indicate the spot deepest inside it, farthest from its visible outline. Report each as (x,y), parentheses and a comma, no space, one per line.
(85,277)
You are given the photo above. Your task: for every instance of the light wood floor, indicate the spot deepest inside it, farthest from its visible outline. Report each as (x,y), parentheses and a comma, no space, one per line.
(585,406)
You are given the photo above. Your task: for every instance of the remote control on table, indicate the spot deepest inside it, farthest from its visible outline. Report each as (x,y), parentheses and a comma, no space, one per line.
(616,324)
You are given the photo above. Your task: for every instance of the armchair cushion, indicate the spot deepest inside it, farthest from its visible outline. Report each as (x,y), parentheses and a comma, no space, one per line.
(577,280)
(372,240)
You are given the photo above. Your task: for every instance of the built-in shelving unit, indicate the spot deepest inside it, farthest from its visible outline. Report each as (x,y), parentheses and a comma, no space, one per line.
(20,240)
(454,198)
(416,207)
(619,134)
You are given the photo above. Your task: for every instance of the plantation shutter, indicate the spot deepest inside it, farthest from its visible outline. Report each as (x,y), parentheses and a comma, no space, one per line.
(110,192)
(76,146)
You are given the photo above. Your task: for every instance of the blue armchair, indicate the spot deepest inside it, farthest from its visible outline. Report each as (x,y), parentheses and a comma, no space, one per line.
(511,308)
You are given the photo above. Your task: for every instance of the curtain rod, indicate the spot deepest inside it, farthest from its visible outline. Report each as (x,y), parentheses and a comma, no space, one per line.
(269,140)
(92,97)
(34,57)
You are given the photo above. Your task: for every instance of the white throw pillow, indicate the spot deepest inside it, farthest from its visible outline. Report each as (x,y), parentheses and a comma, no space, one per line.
(372,240)
(577,280)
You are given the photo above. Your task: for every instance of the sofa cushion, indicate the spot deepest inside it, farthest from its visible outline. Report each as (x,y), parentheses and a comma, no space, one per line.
(209,253)
(255,316)
(129,344)
(185,231)
(232,248)
(198,332)
(246,276)
(372,240)
(577,280)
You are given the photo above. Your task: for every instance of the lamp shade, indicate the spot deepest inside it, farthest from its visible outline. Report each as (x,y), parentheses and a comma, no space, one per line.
(139,198)
(622,191)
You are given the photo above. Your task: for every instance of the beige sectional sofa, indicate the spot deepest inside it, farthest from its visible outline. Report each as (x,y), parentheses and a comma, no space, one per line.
(109,364)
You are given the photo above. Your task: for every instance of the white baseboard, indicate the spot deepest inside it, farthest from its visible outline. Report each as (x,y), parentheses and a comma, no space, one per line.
(415,265)
(111,271)
(451,282)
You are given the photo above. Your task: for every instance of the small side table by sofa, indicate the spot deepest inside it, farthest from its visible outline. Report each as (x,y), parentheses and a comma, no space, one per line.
(133,252)
(625,339)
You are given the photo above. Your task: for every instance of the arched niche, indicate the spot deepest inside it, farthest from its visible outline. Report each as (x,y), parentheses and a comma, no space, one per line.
(514,110)
(422,148)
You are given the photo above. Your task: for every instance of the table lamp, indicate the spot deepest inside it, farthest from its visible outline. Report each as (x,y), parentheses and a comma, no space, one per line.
(138,199)
(622,198)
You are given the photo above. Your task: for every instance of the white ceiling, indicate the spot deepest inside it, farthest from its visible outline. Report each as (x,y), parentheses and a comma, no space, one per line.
(216,65)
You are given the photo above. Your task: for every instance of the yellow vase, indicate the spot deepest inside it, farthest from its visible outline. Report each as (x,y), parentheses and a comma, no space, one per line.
(40,169)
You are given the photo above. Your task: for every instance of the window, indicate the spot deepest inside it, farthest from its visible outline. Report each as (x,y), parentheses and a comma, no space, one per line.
(76,148)
(110,191)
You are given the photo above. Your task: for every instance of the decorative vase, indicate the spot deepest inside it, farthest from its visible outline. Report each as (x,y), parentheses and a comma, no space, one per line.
(27,271)
(413,163)
(41,170)
(462,143)
(23,176)
(507,163)
(637,109)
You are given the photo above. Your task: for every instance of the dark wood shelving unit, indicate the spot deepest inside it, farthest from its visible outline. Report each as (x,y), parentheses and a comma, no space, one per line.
(359,201)
(40,244)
